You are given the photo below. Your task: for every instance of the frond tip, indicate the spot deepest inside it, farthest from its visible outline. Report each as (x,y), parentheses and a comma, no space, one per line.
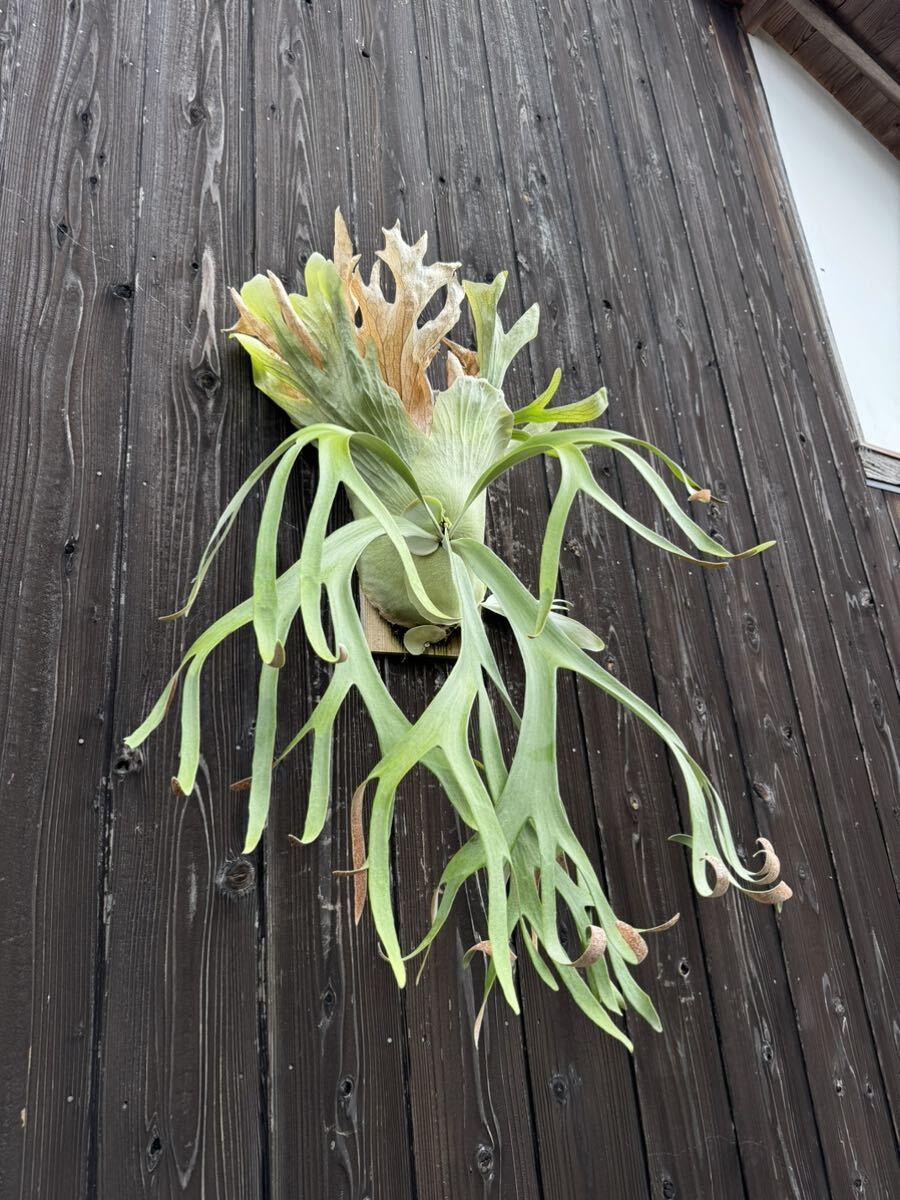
(350,368)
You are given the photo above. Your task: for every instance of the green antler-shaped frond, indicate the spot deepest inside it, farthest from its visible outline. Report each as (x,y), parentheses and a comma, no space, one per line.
(350,368)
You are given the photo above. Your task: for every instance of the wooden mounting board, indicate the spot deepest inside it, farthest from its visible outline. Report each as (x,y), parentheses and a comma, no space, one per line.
(381,639)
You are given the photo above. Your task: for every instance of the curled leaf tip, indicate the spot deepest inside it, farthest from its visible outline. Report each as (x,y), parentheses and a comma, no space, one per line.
(485,948)
(177,789)
(722,878)
(593,949)
(771,867)
(342,653)
(465,357)
(174,616)
(776,895)
(701,495)
(665,926)
(633,940)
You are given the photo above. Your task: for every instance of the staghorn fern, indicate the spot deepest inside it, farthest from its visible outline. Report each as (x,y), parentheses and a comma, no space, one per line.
(349,367)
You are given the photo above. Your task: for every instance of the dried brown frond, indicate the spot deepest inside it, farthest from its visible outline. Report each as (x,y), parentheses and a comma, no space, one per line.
(250,324)
(344,258)
(292,322)
(594,947)
(634,940)
(405,348)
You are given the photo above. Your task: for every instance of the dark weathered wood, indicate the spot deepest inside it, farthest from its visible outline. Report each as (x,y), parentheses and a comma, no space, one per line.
(539,203)
(176,1023)
(654,339)
(178,1043)
(859,545)
(468,194)
(817,532)
(479,1141)
(880,466)
(68,207)
(892,506)
(338,1106)
(778,205)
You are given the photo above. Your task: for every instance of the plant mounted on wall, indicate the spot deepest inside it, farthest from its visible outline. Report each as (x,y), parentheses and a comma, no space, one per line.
(350,368)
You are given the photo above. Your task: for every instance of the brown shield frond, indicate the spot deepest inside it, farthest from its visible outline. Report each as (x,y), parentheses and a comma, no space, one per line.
(403,346)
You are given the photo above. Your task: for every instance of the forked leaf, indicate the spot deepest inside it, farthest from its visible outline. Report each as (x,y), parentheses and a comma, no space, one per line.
(537,406)
(403,347)
(496,347)
(577,413)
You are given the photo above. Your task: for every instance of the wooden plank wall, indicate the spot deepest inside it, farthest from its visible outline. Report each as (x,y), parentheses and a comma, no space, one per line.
(177,1021)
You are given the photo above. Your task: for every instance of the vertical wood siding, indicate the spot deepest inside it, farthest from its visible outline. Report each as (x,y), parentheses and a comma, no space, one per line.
(176,1021)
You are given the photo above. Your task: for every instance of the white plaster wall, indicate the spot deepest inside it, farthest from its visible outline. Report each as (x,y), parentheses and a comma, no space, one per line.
(847,190)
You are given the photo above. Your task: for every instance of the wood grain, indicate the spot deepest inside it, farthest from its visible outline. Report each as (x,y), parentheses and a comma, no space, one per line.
(178,1044)
(339,1098)
(821,535)
(68,209)
(653,338)
(534,155)
(478,1141)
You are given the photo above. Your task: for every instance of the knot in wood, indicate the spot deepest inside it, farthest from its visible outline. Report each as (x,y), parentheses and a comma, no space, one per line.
(484,1160)
(236,877)
(154,1148)
(206,379)
(127,762)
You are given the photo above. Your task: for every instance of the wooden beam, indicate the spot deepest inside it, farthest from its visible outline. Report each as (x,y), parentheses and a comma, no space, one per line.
(882,467)
(753,16)
(754,13)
